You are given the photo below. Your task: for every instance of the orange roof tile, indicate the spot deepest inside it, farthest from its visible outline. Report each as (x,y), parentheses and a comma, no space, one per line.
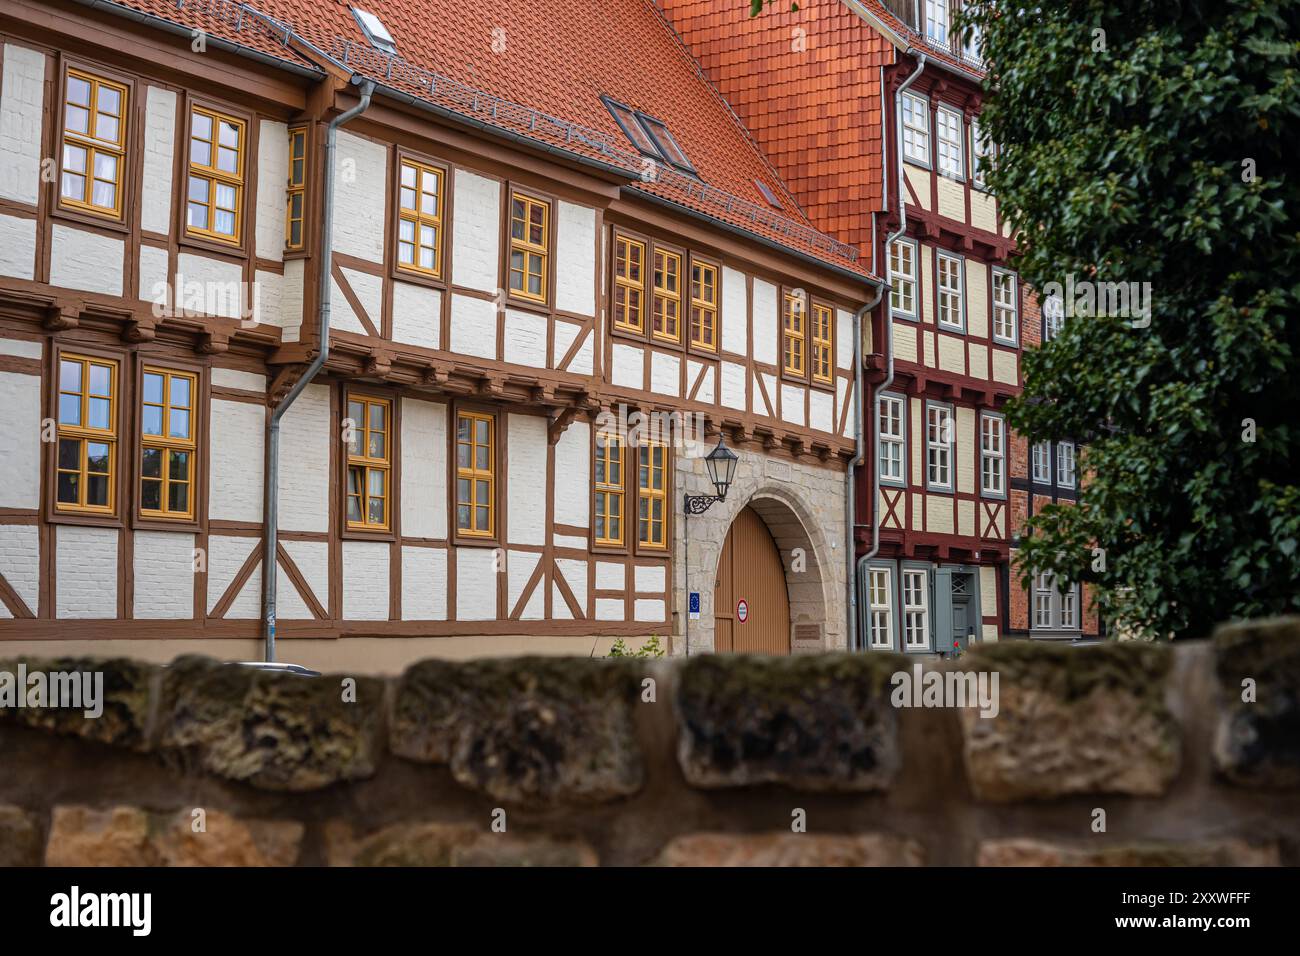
(538,68)
(807,84)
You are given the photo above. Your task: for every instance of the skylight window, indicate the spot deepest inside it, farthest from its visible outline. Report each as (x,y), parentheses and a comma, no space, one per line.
(375,31)
(770,196)
(649,135)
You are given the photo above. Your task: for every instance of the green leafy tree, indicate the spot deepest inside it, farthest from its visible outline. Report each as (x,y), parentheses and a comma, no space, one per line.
(1157,141)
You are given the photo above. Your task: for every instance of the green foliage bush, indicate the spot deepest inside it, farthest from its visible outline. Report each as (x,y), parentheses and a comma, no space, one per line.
(1158,141)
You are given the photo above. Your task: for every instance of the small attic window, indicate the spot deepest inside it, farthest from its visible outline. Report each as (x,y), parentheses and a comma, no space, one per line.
(375,31)
(770,196)
(649,135)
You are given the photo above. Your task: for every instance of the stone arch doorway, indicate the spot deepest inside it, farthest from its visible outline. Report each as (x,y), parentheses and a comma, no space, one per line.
(751,604)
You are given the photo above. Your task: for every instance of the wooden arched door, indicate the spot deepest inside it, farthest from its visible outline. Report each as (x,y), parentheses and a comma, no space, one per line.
(750,570)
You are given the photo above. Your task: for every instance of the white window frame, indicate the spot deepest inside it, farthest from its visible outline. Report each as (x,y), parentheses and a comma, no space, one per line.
(903,283)
(948,294)
(1043,601)
(1006,307)
(940,451)
(981,155)
(970,46)
(948,138)
(1054,609)
(993,455)
(893,412)
(916,129)
(937,21)
(916,609)
(1053,309)
(1066,464)
(1042,456)
(880,584)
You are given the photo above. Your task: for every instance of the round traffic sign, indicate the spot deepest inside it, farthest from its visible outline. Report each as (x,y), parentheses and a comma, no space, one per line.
(742,610)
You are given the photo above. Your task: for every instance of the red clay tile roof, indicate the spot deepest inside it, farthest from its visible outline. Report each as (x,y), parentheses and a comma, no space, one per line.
(807,84)
(539,68)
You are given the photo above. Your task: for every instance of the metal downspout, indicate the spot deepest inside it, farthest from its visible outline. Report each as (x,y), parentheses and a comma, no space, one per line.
(272,506)
(851,496)
(889,314)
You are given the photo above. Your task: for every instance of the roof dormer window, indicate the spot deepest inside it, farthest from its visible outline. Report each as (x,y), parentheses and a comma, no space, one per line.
(649,135)
(375,31)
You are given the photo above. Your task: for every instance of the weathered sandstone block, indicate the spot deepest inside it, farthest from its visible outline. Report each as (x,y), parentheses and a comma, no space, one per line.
(20,837)
(819,723)
(1072,720)
(131,836)
(790,849)
(531,730)
(1257,742)
(272,731)
(122,686)
(449,844)
(1147,853)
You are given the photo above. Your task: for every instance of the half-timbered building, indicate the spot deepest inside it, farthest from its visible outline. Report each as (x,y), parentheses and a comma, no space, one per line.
(520,223)
(871,111)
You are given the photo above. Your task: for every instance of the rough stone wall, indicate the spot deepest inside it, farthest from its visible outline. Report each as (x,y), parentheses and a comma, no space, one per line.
(1188,753)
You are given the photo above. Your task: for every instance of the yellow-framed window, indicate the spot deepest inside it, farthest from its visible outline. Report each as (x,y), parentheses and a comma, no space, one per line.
(419,218)
(215,189)
(823,364)
(793,331)
(652,495)
(629,284)
(94,144)
(295,238)
(530,237)
(369,460)
(167,443)
(667,322)
(475,474)
(704,306)
(608,478)
(86,462)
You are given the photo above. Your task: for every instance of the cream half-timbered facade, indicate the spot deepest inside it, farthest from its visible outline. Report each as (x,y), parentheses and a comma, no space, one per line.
(443,487)
(940,578)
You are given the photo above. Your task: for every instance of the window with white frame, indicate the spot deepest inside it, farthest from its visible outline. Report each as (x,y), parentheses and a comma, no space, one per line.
(1053,317)
(1043,599)
(948,126)
(1065,464)
(950,290)
(916,129)
(938,446)
(981,151)
(916,609)
(993,455)
(1006,307)
(1070,607)
(1054,608)
(892,443)
(879,600)
(936,20)
(902,277)
(971,43)
(1043,462)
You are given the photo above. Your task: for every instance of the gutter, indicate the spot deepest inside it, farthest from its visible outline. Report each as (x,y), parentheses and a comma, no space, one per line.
(167,26)
(804,257)
(905,45)
(270,565)
(850,495)
(889,312)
